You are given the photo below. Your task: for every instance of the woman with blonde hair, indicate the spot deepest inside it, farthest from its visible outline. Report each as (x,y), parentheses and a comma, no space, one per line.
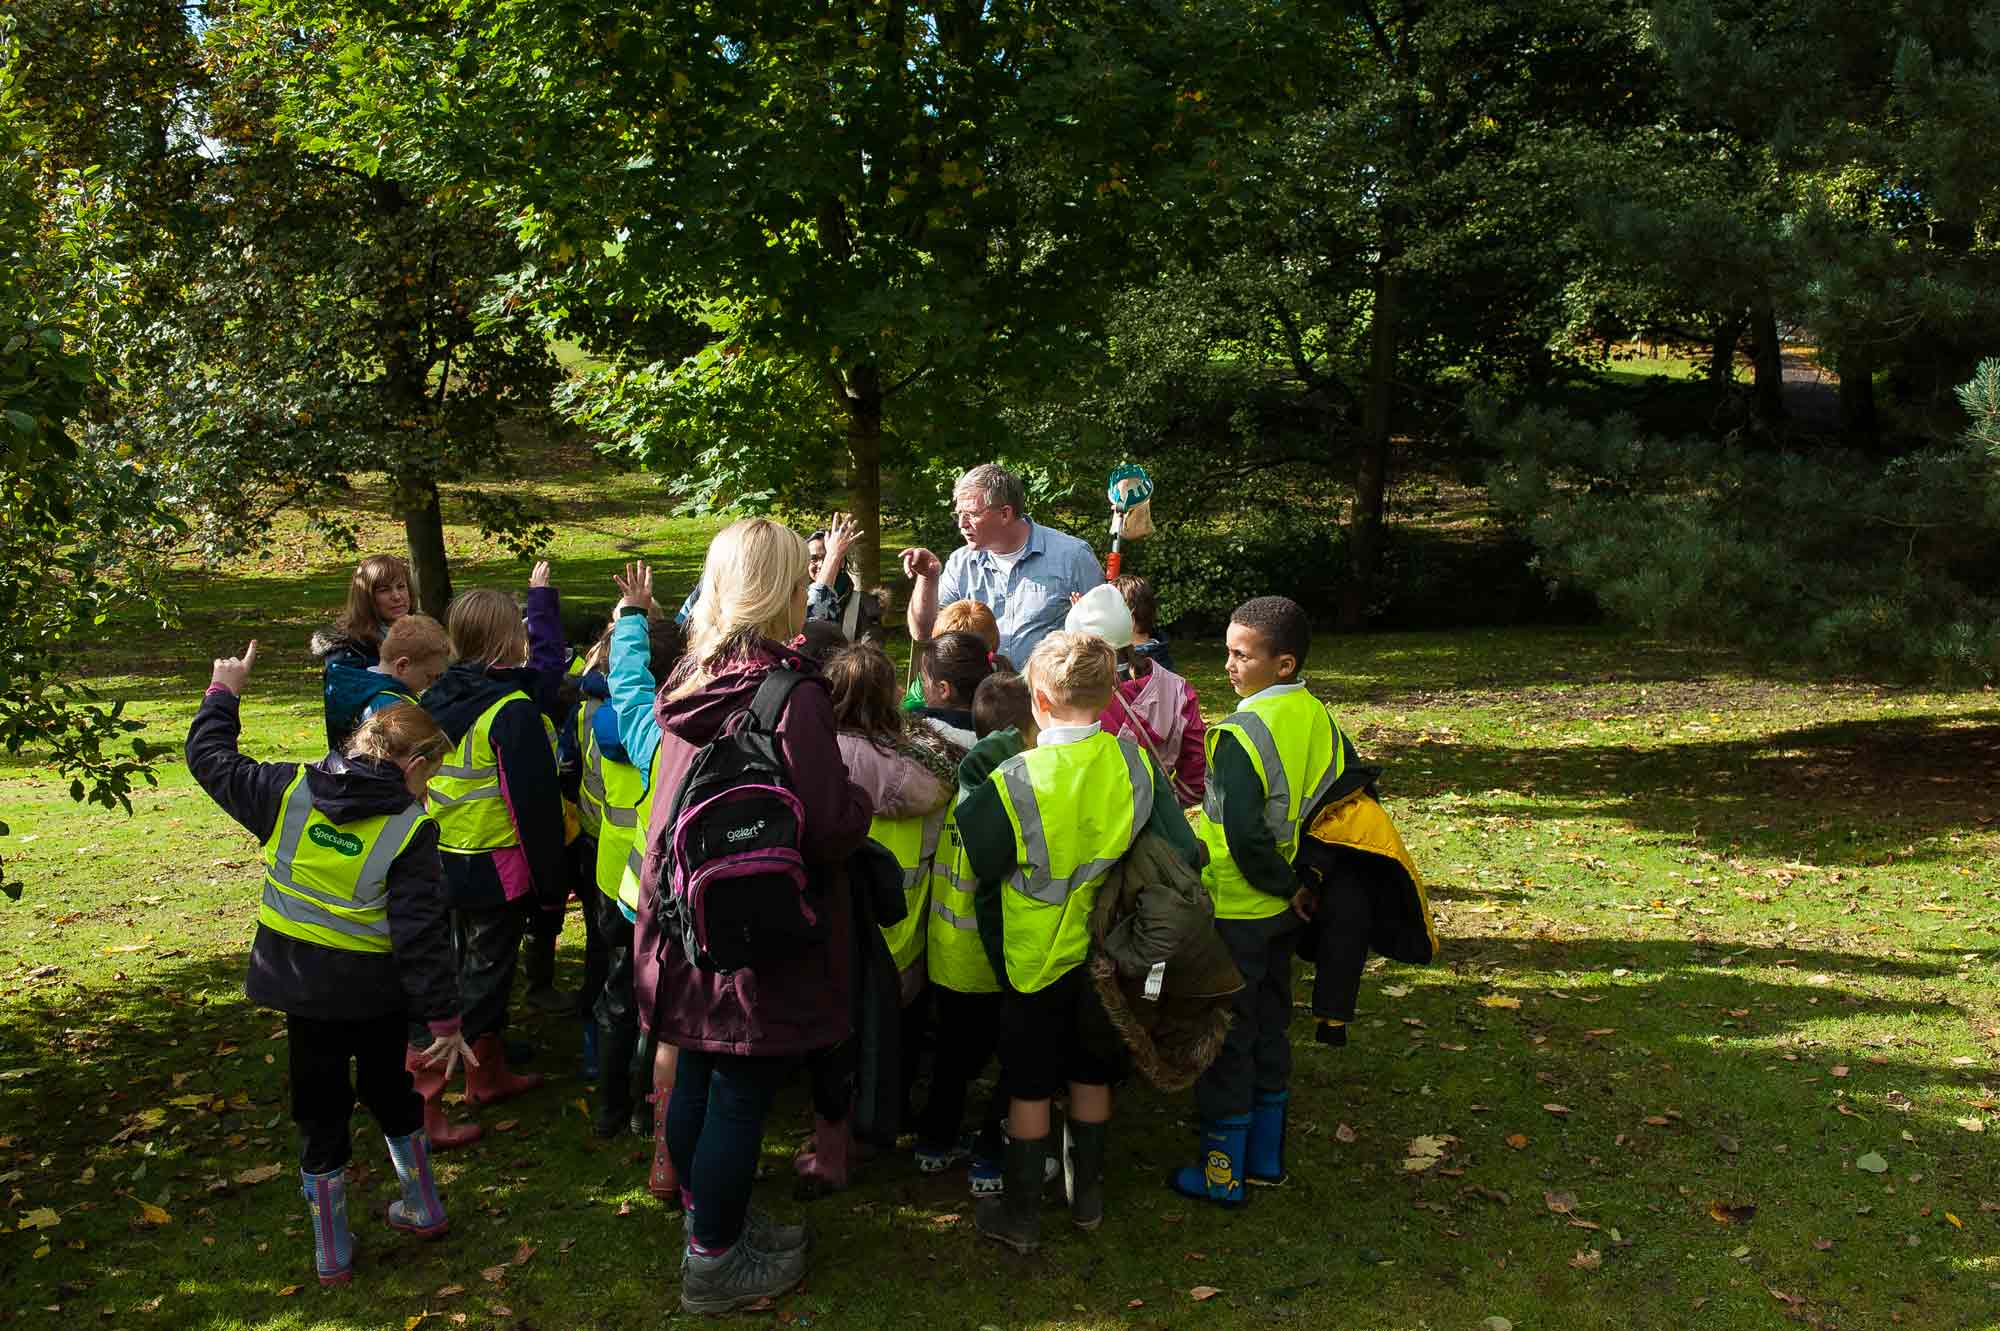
(352,942)
(740,1034)
(377,596)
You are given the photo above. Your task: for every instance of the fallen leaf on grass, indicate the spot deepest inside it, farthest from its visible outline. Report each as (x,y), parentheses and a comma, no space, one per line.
(1498,1000)
(523,1253)
(449,1292)
(624,1208)
(1838,1070)
(1343,1133)
(120,949)
(1557,1110)
(1135,1303)
(1731,1213)
(150,1214)
(1971,1124)
(1789,1300)
(289,1290)
(493,1275)
(1600,1032)
(261,1174)
(1203,1293)
(565,1246)
(1587,1259)
(507,1125)
(1956,1223)
(1872,1163)
(1517,1141)
(1562,1203)
(1727,1144)
(1424,1152)
(412,1323)
(1486,1194)
(1496,1324)
(1823,1245)
(1656,1121)
(42,1217)
(1395,991)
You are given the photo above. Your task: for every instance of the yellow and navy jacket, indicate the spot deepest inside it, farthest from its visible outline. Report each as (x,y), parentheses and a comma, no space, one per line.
(397,963)
(1370,897)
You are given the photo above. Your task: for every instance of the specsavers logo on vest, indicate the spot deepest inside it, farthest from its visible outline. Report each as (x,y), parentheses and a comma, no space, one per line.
(335,839)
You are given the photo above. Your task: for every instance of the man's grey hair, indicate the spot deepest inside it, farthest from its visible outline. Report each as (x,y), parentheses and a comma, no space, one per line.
(995,486)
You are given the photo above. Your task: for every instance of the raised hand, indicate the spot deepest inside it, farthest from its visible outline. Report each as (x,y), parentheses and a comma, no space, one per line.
(920,563)
(231,672)
(636,587)
(540,577)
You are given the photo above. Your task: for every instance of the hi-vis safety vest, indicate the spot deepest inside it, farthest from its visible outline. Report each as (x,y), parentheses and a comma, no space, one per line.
(328,882)
(590,787)
(465,794)
(618,839)
(914,843)
(635,855)
(956,959)
(1099,793)
(1297,751)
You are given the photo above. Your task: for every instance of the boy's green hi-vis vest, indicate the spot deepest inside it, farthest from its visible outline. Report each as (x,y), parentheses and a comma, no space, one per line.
(327,882)
(955,958)
(465,794)
(914,843)
(625,801)
(642,819)
(590,787)
(1076,809)
(1297,751)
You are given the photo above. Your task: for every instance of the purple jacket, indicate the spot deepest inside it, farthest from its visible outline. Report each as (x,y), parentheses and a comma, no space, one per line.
(779,1008)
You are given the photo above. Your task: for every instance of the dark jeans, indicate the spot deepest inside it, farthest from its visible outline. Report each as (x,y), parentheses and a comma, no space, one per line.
(1257,1052)
(323,1096)
(831,1073)
(968,1035)
(614,1003)
(715,1127)
(489,947)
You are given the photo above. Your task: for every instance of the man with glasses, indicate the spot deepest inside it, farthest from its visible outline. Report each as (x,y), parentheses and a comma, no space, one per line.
(1024,572)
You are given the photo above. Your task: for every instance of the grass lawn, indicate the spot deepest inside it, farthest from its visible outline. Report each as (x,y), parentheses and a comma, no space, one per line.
(1714,1040)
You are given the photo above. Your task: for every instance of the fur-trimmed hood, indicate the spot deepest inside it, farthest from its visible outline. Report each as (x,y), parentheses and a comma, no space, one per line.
(1152,908)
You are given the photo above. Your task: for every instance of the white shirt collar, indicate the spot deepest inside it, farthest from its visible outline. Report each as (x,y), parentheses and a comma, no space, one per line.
(1066,734)
(1275,690)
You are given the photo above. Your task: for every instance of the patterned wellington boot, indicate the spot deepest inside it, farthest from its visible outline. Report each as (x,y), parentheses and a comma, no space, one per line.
(1264,1147)
(333,1244)
(1218,1177)
(418,1211)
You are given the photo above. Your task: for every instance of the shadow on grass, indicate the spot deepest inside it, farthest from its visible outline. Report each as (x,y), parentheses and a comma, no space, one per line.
(1845,792)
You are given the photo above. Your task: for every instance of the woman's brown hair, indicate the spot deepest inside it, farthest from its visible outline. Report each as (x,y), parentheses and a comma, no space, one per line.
(865,700)
(358,621)
(400,730)
(486,628)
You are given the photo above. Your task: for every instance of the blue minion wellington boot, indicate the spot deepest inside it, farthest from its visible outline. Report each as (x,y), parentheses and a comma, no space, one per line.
(1264,1149)
(1219,1176)
(326,1200)
(418,1211)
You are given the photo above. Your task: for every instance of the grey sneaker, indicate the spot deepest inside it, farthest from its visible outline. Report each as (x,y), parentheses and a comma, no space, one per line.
(762,1231)
(739,1278)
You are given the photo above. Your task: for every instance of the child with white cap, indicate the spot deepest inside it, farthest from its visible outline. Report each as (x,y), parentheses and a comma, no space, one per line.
(1152,706)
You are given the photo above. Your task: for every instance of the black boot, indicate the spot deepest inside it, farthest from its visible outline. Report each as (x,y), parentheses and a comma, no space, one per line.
(642,1086)
(538,967)
(1083,1172)
(1015,1217)
(614,1080)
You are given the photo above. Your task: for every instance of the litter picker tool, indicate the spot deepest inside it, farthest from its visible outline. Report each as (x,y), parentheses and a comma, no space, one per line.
(1131,495)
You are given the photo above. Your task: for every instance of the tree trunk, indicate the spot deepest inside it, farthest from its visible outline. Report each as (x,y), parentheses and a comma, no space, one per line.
(1767,392)
(1858,424)
(1722,353)
(864,471)
(1371,479)
(423,532)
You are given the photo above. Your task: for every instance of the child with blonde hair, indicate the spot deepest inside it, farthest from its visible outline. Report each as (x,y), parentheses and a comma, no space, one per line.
(414,652)
(1040,836)
(353,943)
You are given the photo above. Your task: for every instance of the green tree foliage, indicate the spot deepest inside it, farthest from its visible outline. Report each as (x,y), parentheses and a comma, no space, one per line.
(75,525)
(1833,561)
(893,219)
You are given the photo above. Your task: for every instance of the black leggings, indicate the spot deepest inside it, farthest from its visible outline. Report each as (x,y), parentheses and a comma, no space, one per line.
(323,1096)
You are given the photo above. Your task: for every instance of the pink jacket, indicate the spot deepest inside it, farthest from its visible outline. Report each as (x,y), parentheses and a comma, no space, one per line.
(1161,710)
(897,787)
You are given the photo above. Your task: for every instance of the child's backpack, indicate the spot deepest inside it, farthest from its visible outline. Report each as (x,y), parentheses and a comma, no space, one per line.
(733,890)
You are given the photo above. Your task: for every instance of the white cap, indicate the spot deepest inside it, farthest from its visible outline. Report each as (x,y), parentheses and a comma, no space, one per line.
(1102,613)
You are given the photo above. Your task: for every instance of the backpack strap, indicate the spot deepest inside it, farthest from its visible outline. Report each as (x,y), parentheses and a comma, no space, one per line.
(770,698)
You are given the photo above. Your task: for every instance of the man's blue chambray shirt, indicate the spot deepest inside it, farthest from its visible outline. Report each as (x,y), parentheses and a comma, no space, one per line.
(1031,600)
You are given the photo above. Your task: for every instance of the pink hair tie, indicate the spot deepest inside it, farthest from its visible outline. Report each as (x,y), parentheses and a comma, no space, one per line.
(990,656)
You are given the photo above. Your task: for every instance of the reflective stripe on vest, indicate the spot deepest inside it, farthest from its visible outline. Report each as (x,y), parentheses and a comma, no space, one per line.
(590,787)
(465,794)
(624,796)
(331,887)
(954,955)
(1296,748)
(914,843)
(635,852)
(1103,788)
